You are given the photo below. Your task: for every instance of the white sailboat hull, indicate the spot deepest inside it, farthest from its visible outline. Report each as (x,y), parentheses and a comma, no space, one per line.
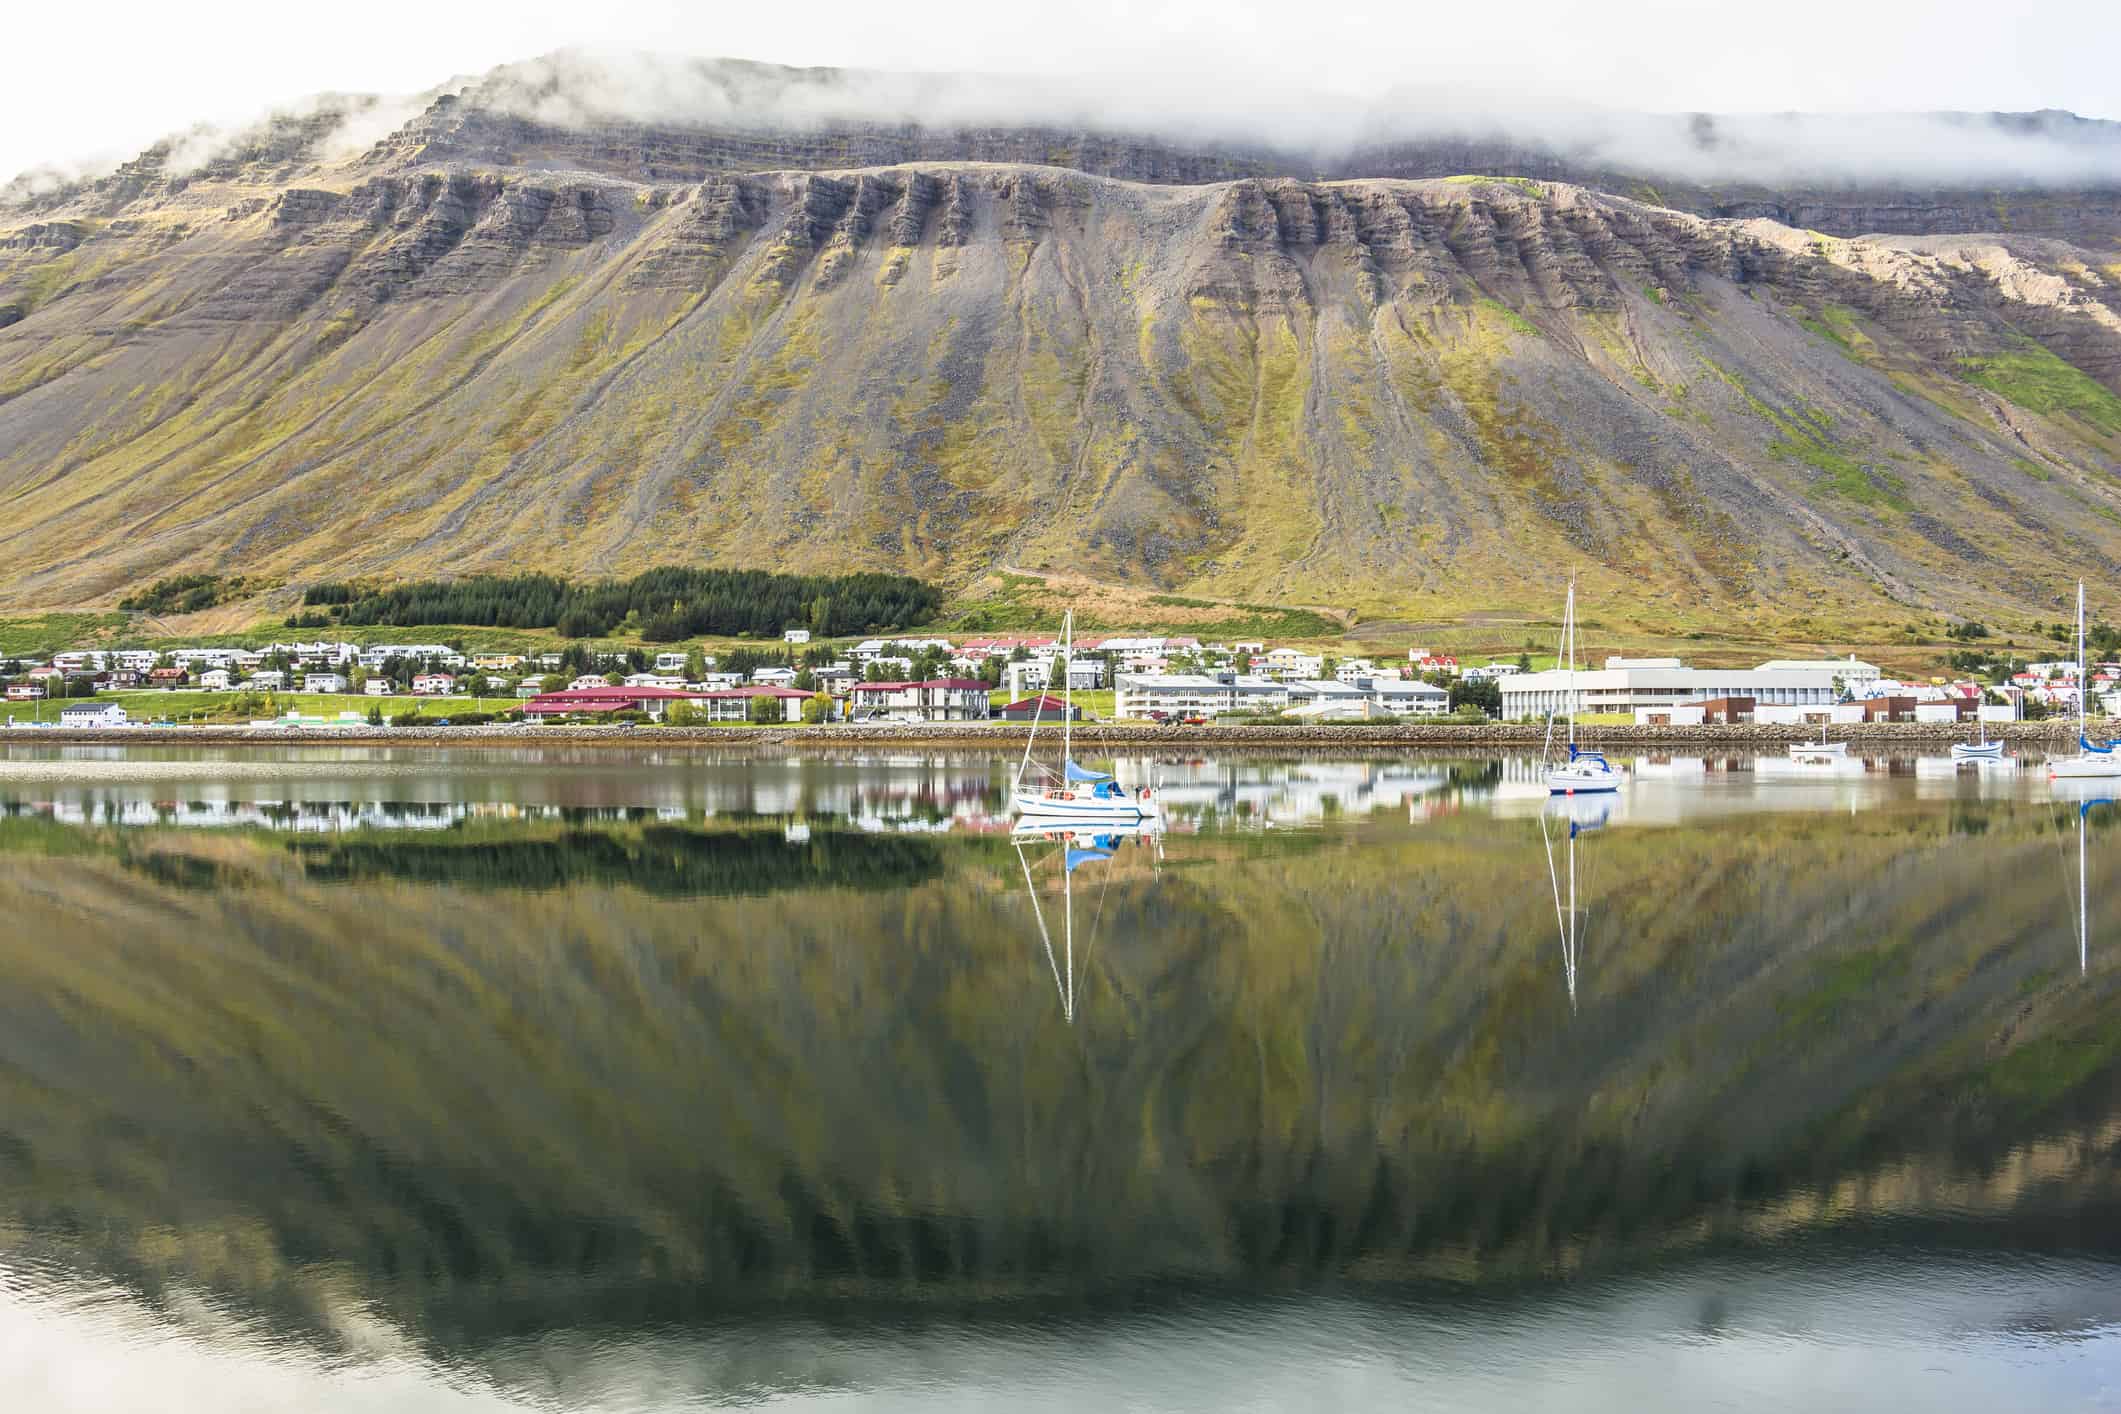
(1977,751)
(1081,806)
(1582,780)
(2071,768)
(1818,750)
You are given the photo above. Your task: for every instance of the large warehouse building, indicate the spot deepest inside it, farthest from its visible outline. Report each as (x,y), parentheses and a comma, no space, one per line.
(1624,685)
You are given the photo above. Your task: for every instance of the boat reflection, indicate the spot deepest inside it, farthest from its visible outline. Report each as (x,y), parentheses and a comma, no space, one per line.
(1067,847)
(1578,815)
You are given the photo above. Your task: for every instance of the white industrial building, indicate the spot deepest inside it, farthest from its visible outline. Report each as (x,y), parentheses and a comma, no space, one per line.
(1850,670)
(1622,691)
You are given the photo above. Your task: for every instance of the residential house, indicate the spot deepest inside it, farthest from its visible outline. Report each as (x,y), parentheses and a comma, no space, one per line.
(118,679)
(167,677)
(26,692)
(433,685)
(586,681)
(1289,664)
(267,680)
(734,704)
(500,662)
(91,714)
(377,687)
(1138,696)
(936,700)
(670,662)
(675,681)
(796,635)
(216,680)
(1354,670)
(773,677)
(324,682)
(1407,697)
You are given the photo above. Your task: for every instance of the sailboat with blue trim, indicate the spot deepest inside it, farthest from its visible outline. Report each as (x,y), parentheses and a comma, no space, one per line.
(1074,793)
(2093,758)
(1585,772)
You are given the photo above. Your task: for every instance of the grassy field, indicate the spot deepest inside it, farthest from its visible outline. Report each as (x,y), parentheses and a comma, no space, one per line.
(220,706)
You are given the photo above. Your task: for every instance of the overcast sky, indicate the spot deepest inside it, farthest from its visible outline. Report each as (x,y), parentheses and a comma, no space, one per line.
(91,81)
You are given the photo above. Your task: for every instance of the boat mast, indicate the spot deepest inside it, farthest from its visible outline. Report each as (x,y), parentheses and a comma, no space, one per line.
(1067,690)
(2081,712)
(1568,639)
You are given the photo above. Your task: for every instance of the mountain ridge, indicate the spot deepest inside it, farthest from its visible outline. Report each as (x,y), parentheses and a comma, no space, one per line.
(1388,393)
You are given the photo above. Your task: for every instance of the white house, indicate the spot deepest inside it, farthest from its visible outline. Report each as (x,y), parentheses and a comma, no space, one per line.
(377,687)
(91,714)
(323,682)
(674,681)
(1290,664)
(1139,696)
(433,685)
(796,635)
(1409,697)
(1354,670)
(668,663)
(773,677)
(587,680)
(936,700)
(214,680)
(267,680)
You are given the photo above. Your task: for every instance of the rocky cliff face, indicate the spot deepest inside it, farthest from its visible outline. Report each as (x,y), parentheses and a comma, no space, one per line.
(487,343)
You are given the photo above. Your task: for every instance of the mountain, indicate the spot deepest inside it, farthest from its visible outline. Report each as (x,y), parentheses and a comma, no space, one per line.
(773,318)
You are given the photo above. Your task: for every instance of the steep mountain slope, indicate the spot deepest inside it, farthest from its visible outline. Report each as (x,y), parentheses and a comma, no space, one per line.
(1390,393)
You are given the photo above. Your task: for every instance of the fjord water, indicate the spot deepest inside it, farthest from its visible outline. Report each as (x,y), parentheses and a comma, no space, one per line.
(349,1078)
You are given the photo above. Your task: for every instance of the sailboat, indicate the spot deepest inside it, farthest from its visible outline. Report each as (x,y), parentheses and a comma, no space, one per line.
(1819,750)
(1585,772)
(1977,751)
(1074,793)
(2092,758)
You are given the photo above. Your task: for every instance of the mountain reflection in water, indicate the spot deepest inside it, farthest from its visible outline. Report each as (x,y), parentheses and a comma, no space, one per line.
(1293,1107)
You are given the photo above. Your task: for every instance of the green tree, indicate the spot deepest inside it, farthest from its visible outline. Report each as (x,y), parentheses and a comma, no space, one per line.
(765,709)
(614,679)
(695,664)
(821,615)
(818,707)
(552,682)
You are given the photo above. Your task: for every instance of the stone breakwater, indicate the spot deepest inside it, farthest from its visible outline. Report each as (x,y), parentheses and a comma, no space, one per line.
(1353,736)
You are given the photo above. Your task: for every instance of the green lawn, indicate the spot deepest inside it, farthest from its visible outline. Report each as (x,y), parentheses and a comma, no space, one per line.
(149,706)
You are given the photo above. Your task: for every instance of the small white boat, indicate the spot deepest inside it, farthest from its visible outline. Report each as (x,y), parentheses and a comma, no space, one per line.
(1978,751)
(1585,772)
(1820,750)
(2093,759)
(1075,794)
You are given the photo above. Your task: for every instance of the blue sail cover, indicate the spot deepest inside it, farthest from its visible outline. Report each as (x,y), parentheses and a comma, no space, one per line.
(1577,753)
(1077,773)
(2103,748)
(1085,856)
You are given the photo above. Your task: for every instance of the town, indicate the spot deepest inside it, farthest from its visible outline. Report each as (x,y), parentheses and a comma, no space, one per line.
(1129,678)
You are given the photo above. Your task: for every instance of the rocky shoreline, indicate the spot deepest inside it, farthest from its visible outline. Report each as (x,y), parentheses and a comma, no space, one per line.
(1309,737)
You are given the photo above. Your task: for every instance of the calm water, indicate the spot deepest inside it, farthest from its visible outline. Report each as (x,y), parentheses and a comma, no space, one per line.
(349,1079)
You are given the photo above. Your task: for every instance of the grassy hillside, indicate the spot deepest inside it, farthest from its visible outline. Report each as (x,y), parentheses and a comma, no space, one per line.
(1424,400)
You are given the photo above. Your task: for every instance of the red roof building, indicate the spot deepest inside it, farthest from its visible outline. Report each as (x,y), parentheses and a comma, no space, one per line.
(651,700)
(1038,709)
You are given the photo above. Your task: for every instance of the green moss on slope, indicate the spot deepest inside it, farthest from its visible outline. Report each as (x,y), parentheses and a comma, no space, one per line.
(2032,377)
